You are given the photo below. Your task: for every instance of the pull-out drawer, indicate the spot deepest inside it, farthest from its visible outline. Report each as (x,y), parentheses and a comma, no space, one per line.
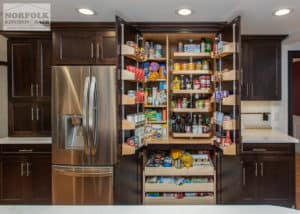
(267,148)
(25,148)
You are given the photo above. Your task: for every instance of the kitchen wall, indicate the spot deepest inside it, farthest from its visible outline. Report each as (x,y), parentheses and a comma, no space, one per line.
(272,107)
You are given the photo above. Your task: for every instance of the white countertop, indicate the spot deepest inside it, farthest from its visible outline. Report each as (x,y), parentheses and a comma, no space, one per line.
(266,136)
(26,140)
(195,209)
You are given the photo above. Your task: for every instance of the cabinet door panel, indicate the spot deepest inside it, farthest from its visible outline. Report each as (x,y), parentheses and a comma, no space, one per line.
(43,118)
(43,87)
(261,62)
(40,177)
(249,180)
(264,66)
(106,52)
(21,119)
(22,74)
(13,183)
(276,180)
(74,47)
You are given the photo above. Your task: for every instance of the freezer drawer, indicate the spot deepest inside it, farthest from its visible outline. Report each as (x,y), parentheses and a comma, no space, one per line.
(82,185)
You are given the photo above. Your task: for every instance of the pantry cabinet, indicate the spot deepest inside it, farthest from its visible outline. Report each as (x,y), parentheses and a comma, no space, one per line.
(25,174)
(78,47)
(29,85)
(261,62)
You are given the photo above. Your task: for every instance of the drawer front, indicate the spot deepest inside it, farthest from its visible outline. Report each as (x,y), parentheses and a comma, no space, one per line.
(25,148)
(267,148)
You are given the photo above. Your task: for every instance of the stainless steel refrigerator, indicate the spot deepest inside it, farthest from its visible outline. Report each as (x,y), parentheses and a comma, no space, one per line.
(84,134)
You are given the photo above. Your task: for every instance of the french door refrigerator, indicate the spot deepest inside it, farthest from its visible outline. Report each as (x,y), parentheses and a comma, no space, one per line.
(84,134)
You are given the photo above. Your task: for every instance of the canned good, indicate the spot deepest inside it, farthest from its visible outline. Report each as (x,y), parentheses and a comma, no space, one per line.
(196,84)
(207,81)
(203,81)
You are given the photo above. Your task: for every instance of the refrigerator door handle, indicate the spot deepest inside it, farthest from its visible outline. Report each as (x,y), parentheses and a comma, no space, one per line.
(83,174)
(84,171)
(93,112)
(85,115)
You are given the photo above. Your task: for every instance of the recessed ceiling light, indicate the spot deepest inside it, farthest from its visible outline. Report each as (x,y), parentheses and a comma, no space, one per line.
(282,12)
(86,11)
(184,12)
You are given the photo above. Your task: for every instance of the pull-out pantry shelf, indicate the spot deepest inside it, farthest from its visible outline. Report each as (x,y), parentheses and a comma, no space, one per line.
(186,200)
(193,187)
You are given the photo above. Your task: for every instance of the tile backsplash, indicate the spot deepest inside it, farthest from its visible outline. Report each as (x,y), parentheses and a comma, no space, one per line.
(256,120)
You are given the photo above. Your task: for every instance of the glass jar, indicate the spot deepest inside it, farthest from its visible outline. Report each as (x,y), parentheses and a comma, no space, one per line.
(176,66)
(191,66)
(205,65)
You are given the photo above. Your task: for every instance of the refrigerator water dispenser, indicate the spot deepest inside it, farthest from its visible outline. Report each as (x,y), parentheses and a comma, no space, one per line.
(73,132)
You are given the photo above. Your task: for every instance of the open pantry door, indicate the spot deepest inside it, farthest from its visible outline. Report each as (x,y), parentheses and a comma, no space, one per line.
(130,84)
(228,88)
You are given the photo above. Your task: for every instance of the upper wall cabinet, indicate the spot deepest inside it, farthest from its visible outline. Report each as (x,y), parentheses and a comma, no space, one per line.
(22,66)
(29,68)
(84,47)
(261,67)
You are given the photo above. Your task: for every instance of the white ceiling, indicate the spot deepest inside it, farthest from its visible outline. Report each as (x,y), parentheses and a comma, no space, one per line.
(256,14)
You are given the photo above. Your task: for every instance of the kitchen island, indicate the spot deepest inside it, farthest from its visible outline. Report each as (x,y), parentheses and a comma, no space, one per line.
(246,209)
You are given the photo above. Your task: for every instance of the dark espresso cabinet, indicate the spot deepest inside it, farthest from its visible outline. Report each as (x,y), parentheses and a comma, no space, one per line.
(268,176)
(29,86)
(23,71)
(75,47)
(25,174)
(261,67)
